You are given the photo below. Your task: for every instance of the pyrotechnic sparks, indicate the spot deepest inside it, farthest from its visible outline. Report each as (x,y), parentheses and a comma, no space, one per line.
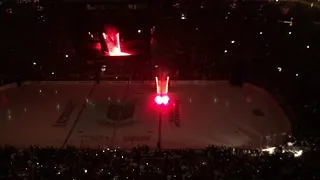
(112,40)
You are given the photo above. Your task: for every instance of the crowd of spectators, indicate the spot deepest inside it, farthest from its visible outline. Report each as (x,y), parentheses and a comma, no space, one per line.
(275,46)
(143,163)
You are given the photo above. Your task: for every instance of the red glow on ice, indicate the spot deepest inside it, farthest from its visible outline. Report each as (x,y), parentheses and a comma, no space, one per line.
(162,100)
(158,100)
(165,100)
(113,45)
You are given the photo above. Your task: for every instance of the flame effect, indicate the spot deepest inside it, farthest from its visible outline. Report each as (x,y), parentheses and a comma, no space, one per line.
(113,44)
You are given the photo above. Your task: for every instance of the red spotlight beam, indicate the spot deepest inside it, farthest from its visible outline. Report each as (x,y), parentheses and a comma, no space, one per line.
(167,85)
(158,86)
(161,87)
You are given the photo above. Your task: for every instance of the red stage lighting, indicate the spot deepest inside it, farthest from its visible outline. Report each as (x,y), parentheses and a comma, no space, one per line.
(162,99)
(162,90)
(165,100)
(158,100)
(161,87)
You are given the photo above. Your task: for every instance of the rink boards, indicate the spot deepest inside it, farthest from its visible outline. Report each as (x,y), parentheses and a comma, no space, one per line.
(122,114)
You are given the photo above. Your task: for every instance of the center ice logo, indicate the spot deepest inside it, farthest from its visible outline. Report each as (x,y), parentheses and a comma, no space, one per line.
(119,114)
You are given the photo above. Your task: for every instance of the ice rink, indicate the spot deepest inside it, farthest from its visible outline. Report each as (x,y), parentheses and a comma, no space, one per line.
(124,115)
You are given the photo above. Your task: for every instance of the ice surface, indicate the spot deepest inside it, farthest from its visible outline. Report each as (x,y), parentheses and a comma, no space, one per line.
(125,115)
